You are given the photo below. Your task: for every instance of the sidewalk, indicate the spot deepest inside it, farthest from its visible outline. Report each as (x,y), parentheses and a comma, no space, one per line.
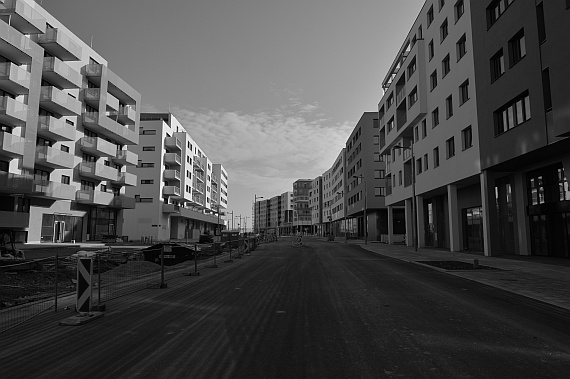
(544,279)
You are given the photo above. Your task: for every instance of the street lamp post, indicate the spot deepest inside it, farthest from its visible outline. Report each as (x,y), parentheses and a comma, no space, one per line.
(365,220)
(256,219)
(414,205)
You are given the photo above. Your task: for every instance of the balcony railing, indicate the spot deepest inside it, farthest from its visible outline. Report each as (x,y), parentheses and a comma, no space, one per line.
(97,171)
(172,175)
(171,191)
(23,17)
(55,129)
(60,44)
(14,79)
(53,190)
(94,197)
(172,158)
(126,157)
(11,146)
(12,112)
(58,72)
(58,101)
(54,158)
(98,147)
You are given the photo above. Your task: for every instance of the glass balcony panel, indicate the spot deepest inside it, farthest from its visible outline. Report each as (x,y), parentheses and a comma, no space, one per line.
(15,183)
(53,190)
(14,219)
(126,158)
(60,44)
(172,175)
(112,104)
(98,146)
(54,158)
(123,202)
(172,159)
(14,79)
(91,96)
(55,129)
(97,171)
(94,197)
(170,208)
(12,112)
(121,133)
(125,179)
(11,146)
(172,143)
(16,46)
(171,191)
(58,72)
(23,17)
(55,100)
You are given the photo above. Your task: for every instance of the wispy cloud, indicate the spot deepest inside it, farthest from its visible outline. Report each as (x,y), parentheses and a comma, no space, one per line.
(267,150)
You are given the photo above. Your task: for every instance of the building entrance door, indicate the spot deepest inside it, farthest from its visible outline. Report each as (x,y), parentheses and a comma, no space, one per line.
(58,231)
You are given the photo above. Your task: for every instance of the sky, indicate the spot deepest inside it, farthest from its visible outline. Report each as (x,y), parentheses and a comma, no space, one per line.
(271,89)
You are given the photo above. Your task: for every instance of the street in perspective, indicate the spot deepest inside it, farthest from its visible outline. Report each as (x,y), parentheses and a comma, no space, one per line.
(318,309)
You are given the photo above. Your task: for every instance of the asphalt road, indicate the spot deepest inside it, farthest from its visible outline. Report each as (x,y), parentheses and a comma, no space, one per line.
(326,310)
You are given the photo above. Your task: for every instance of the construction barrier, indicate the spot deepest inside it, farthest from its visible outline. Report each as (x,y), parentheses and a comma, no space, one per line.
(84,284)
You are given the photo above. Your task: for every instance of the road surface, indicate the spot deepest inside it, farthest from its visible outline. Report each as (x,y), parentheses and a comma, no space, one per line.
(325,310)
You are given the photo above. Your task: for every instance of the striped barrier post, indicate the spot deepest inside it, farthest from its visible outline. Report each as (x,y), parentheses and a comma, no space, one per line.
(84,284)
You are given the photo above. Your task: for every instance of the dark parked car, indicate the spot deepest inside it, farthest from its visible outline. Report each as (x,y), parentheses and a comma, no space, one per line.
(205,238)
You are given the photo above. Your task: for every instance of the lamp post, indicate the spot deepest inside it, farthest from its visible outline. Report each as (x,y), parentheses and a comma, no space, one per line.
(365,220)
(232,212)
(414,205)
(256,219)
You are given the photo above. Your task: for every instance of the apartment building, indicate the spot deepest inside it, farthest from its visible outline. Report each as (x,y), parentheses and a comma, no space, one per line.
(332,197)
(302,211)
(521,54)
(365,184)
(179,193)
(473,127)
(274,215)
(316,206)
(65,123)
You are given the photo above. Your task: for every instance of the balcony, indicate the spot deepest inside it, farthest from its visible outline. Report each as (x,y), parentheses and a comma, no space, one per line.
(98,147)
(23,17)
(172,143)
(123,202)
(14,79)
(59,73)
(125,179)
(17,47)
(126,158)
(12,112)
(198,165)
(199,176)
(48,156)
(55,129)
(11,146)
(105,126)
(126,115)
(94,197)
(97,171)
(53,190)
(198,201)
(59,44)
(55,100)
(94,72)
(198,187)
(170,208)
(401,95)
(171,191)
(91,96)
(172,175)
(15,183)
(14,219)
(172,159)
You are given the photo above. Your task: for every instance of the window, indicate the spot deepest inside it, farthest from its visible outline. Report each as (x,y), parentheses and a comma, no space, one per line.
(445,66)
(391,124)
(450,146)
(431,51)
(416,134)
(148,148)
(376,140)
(65,148)
(419,166)
(430,16)
(65,179)
(376,157)
(461,47)
(379,191)
(149,132)
(517,48)
(390,100)
(433,80)
(435,118)
(441,4)
(425,162)
(466,138)
(412,67)
(459,10)
(541,23)
(512,114)
(547,94)
(443,30)
(495,10)
(147,165)
(147,181)
(464,92)
(379,174)
(400,178)
(424,128)
(497,65)
(413,97)
(449,106)
(436,157)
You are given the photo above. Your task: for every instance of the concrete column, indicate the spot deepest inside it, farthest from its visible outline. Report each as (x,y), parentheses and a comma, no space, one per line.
(522,227)
(491,243)
(390,224)
(453,218)
(409,213)
(420,225)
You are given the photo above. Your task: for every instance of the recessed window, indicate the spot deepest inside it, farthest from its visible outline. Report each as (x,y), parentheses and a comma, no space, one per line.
(147,181)
(413,97)
(390,124)
(431,51)
(436,157)
(430,16)
(441,4)
(467,138)
(461,47)
(443,30)
(149,132)
(497,65)
(416,134)
(424,128)
(449,106)
(464,92)
(412,67)
(390,101)
(459,10)
(435,117)
(445,66)
(425,162)
(517,48)
(148,148)
(496,9)
(450,147)
(419,166)
(433,80)
(65,179)
(512,114)
(146,165)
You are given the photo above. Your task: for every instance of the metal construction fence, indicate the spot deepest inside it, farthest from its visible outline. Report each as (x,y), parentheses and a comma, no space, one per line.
(32,287)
